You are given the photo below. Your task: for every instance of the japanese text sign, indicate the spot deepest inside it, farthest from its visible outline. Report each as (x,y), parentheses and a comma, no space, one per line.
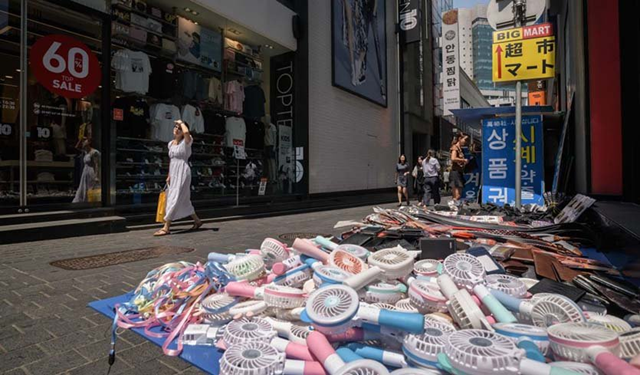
(498,160)
(524,53)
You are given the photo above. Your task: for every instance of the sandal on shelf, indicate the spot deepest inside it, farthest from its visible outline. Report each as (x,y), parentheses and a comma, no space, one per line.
(161,232)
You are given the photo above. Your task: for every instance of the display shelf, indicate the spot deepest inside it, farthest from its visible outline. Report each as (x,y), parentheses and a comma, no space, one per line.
(136,164)
(157,51)
(143,151)
(247,65)
(38,164)
(142,140)
(210,135)
(131,24)
(257,58)
(135,177)
(144,14)
(200,68)
(36,182)
(238,74)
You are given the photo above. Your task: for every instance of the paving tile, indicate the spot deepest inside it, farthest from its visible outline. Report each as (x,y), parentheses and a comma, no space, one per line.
(31,335)
(17,358)
(100,349)
(70,341)
(101,367)
(192,371)
(63,362)
(140,353)
(153,367)
(175,363)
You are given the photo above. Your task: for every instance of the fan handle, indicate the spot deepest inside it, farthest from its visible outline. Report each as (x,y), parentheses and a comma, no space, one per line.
(609,363)
(303,368)
(281,268)
(508,301)
(323,351)
(386,357)
(635,362)
(529,367)
(531,349)
(404,321)
(221,258)
(307,248)
(292,350)
(238,289)
(447,286)
(326,243)
(497,309)
(358,281)
(347,354)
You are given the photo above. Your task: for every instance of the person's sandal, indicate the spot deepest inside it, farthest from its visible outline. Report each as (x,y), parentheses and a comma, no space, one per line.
(197,225)
(161,232)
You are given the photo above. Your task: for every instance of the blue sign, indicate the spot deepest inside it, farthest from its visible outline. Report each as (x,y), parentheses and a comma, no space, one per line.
(472,176)
(499,165)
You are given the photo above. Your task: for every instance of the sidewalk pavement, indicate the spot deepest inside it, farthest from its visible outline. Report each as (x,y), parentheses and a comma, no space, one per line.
(46,326)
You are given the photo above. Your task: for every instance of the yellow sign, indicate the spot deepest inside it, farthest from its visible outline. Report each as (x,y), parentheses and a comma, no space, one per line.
(525,59)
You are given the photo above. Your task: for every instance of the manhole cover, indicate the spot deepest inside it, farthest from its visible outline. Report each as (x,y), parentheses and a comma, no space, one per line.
(111,259)
(293,236)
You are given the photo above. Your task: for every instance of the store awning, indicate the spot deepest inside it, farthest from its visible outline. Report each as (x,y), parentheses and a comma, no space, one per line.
(476,114)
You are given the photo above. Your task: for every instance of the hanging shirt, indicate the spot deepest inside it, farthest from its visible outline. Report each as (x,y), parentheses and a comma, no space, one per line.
(193,116)
(132,71)
(163,79)
(163,117)
(131,115)
(254,101)
(236,130)
(215,90)
(234,93)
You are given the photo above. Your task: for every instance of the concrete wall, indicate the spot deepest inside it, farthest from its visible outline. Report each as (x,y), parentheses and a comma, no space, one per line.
(353,143)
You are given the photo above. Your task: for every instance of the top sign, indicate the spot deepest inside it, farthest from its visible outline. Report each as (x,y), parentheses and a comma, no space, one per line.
(528,32)
(500,13)
(65,66)
(409,15)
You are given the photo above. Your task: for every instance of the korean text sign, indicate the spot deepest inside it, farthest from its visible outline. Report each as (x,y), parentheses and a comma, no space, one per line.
(498,160)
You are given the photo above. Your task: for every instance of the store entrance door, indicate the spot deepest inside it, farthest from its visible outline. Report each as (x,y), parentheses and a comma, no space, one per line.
(51,79)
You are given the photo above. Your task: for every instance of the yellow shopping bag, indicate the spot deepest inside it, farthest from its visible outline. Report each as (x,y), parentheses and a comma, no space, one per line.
(162,207)
(94,195)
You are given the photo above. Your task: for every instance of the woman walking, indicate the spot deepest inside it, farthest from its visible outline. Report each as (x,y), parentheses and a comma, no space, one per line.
(458,162)
(90,178)
(431,168)
(402,178)
(418,180)
(179,180)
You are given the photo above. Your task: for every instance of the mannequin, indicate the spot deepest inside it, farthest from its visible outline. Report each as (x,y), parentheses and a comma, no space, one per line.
(270,140)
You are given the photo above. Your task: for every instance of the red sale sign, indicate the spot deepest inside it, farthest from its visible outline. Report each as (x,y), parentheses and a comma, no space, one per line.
(65,66)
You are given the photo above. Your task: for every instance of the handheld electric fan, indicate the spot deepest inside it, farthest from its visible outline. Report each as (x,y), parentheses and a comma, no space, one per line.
(508,284)
(215,308)
(388,292)
(274,251)
(290,314)
(251,358)
(481,352)
(248,309)
(461,305)
(577,367)
(294,278)
(288,264)
(250,267)
(468,272)
(612,322)
(415,371)
(400,320)
(439,318)
(329,275)
(630,344)
(385,306)
(281,297)
(427,267)
(223,258)
(426,296)
(337,258)
(244,330)
(544,311)
(406,306)
(290,331)
(331,309)
(534,340)
(334,365)
(589,342)
(422,350)
(347,355)
(387,264)
(356,250)
(326,243)
(387,357)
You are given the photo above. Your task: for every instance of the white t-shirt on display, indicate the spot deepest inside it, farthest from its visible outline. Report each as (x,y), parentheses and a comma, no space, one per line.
(132,71)
(193,116)
(163,117)
(235,129)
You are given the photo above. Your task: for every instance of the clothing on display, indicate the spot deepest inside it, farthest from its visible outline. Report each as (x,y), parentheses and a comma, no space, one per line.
(194,86)
(163,117)
(215,91)
(234,93)
(43,155)
(193,116)
(132,70)
(254,101)
(255,135)
(270,135)
(214,122)
(135,117)
(236,129)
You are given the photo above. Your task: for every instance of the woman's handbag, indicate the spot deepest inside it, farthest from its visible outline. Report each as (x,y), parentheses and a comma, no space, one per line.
(94,195)
(162,206)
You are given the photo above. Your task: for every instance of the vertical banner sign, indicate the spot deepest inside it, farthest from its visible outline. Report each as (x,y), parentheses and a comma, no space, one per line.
(498,160)
(409,16)
(451,62)
(65,66)
(282,115)
(472,177)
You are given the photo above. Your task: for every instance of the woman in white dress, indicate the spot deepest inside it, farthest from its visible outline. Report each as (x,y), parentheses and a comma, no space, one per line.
(179,180)
(90,173)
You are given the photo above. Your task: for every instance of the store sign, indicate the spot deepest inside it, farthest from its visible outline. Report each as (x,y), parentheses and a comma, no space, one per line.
(472,179)
(199,46)
(451,62)
(498,160)
(65,66)
(409,16)
(524,53)
(282,112)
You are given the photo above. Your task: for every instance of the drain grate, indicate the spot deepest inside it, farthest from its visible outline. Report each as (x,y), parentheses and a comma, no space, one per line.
(119,257)
(293,236)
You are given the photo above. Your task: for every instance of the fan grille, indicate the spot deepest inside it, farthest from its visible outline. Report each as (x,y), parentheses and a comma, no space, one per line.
(427,297)
(335,274)
(245,330)
(554,309)
(332,305)
(385,306)
(283,297)
(255,307)
(465,270)
(612,322)
(274,250)
(364,367)
(405,305)
(346,261)
(396,262)
(630,343)
(251,358)
(428,345)
(569,340)
(294,278)
(426,267)
(356,250)
(580,368)
(215,308)
(481,352)
(507,284)
(249,267)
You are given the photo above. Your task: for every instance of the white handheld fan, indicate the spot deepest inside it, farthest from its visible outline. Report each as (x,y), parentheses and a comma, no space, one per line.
(289,315)
(244,330)
(385,306)
(274,251)
(356,250)
(328,275)
(480,352)
(422,350)
(406,306)
(461,305)
(427,267)
(630,343)
(416,371)
(577,367)
(544,311)
(612,322)
(288,264)
(589,342)
(294,278)
(534,340)
(426,296)
(290,331)
(223,258)
(507,284)
(388,292)
(387,264)
(334,365)
(281,297)
(250,267)
(331,309)
(399,320)
(248,309)
(251,358)
(215,308)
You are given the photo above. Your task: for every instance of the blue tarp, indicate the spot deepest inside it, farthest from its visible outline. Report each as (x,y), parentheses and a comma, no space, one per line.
(477,114)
